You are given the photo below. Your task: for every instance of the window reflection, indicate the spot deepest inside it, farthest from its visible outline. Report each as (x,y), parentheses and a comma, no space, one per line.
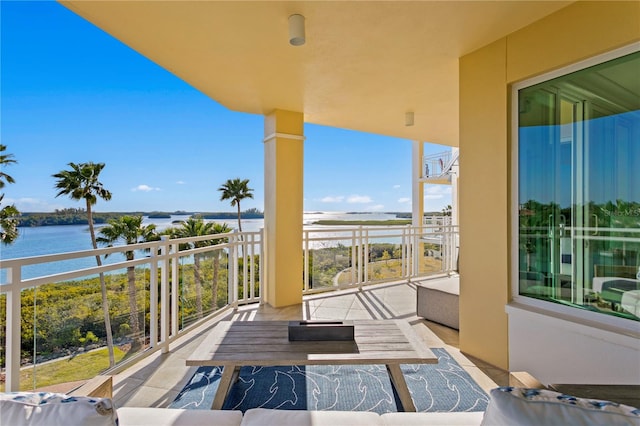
(579,189)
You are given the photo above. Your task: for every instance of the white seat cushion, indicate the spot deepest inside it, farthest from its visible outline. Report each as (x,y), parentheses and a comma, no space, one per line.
(511,406)
(135,416)
(53,409)
(269,417)
(422,419)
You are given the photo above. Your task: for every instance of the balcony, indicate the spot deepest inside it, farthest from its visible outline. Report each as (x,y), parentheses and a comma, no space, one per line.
(161,302)
(438,168)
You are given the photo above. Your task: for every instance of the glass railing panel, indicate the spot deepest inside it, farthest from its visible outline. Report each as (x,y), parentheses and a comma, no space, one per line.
(385,259)
(431,256)
(217,284)
(203,284)
(249,273)
(63,333)
(190,305)
(330,265)
(129,304)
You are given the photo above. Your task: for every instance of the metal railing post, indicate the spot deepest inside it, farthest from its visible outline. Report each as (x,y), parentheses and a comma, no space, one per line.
(13,330)
(175,289)
(164,297)
(245,257)
(305,260)
(355,245)
(364,258)
(417,252)
(232,285)
(153,296)
(404,253)
(262,264)
(251,267)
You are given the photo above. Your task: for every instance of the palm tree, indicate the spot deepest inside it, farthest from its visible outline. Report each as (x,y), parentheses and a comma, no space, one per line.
(81,183)
(8,214)
(236,190)
(196,227)
(8,223)
(130,230)
(5,160)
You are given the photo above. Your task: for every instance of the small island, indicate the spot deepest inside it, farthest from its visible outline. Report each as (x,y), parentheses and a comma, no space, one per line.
(390,222)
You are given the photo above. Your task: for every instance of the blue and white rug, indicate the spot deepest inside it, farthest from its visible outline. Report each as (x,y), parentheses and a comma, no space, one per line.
(438,387)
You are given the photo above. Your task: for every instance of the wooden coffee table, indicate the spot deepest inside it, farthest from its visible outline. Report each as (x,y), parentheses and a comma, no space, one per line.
(233,344)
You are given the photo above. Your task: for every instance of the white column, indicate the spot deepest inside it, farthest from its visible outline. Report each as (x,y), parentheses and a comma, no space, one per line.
(417,201)
(417,193)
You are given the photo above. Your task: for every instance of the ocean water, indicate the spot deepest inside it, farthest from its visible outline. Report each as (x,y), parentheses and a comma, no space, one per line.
(43,240)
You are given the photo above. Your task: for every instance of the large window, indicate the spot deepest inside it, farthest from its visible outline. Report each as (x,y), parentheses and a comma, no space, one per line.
(578,189)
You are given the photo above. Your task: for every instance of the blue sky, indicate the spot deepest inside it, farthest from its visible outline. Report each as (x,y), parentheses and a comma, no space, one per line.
(72,93)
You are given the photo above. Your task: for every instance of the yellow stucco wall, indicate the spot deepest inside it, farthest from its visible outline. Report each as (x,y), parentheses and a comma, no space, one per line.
(283,207)
(579,31)
(483,204)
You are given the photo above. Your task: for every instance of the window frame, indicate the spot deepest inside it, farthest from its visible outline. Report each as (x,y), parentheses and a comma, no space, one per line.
(612,323)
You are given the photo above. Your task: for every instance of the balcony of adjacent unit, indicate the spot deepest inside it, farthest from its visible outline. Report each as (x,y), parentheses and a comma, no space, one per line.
(439,168)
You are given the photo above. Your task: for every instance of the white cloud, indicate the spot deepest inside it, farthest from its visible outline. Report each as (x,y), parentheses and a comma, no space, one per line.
(330,199)
(355,199)
(27,204)
(404,200)
(396,186)
(145,188)
(436,192)
(180,182)
(376,207)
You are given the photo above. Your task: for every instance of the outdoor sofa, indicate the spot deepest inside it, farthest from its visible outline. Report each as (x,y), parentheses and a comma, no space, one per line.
(526,402)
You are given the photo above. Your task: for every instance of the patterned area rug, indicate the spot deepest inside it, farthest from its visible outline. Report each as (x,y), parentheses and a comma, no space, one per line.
(438,387)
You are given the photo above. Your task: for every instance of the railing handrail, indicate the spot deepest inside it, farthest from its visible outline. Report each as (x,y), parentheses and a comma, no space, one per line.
(164,255)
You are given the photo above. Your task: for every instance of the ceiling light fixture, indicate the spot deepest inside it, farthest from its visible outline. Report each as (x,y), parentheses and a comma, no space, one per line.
(408,118)
(296,30)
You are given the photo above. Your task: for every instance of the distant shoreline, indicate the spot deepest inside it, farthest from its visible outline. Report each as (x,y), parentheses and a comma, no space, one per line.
(363,222)
(78,217)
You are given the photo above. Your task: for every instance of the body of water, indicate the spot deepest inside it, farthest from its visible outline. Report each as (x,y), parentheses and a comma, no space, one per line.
(43,240)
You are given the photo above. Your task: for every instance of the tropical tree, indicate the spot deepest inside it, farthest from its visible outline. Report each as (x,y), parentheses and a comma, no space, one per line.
(236,190)
(129,229)
(5,160)
(196,227)
(8,214)
(81,183)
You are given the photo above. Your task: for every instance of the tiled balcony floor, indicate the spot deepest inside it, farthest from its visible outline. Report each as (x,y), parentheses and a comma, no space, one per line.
(157,380)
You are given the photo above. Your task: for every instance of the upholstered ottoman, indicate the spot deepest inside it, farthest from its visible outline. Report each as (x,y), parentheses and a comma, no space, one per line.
(438,301)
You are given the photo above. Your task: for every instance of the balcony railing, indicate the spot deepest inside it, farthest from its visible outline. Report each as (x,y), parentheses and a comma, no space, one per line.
(174,285)
(438,166)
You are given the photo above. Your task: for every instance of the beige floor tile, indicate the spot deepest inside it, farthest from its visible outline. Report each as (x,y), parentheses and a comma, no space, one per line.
(330,313)
(151,397)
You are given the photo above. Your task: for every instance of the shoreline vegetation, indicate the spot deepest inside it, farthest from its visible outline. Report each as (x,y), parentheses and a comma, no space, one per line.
(78,217)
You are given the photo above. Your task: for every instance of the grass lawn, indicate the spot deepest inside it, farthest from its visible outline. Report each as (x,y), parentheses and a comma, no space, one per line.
(69,369)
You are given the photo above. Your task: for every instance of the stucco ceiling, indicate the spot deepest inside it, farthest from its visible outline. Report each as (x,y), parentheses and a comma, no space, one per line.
(364,65)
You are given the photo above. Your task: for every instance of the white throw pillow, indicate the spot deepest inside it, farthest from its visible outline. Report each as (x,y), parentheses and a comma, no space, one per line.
(534,407)
(53,409)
